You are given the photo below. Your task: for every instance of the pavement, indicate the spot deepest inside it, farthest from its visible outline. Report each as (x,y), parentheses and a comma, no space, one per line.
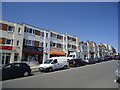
(100,75)
(34,68)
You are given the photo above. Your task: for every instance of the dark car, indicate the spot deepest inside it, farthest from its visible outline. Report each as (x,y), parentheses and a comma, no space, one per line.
(76,62)
(98,60)
(90,61)
(117,57)
(14,70)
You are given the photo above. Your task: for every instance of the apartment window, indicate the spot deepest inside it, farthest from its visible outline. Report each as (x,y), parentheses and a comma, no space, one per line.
(59,45)
(46,45)
(18,43)
(41,44)
(32,42)
(53,35)
(69,46)
(46,34)
(54,44)
(10,28)
(65,38)
(42,33)
(8,41)
(19,30)
(28,42)
(69,38)
(29,30)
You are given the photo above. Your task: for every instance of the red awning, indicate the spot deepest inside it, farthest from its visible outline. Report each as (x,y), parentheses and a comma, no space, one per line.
(32,52)
(56,53)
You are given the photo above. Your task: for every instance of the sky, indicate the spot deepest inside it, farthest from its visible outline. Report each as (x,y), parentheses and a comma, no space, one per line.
(93,21)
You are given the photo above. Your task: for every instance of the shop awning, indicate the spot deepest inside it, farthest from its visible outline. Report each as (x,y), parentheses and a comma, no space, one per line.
(56,53)
(32,52)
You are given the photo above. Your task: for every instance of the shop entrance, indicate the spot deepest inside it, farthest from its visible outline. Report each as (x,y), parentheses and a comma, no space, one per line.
(5,58)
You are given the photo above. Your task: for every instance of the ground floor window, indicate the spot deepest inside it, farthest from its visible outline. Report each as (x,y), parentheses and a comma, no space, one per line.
(36,58)
(5,57)
(16,56)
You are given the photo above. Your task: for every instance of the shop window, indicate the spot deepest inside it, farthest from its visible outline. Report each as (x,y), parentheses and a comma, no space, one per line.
(10,28)
(16,57)
(8,41)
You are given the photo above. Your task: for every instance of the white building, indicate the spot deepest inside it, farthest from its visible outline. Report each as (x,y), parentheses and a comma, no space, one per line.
(11,42)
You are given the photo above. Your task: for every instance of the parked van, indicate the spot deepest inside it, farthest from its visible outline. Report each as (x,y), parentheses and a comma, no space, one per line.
(54,63)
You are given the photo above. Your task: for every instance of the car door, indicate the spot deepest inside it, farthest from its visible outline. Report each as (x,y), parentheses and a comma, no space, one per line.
(56,64)
(8,71)
(17,69)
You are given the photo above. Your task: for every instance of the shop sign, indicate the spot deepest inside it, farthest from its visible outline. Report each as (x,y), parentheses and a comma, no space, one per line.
(31,48)
(6,47)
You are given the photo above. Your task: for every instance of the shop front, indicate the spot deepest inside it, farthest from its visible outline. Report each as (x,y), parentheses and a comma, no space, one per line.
(56,53)
(5,54)
(32,54)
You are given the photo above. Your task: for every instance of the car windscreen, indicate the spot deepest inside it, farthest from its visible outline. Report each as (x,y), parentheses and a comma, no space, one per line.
(48,61)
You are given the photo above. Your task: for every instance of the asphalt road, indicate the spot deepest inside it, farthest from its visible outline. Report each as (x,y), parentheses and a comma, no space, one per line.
(100,75)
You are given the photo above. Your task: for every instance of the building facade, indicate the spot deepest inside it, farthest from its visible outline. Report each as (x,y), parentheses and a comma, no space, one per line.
(11,42)
(27,43)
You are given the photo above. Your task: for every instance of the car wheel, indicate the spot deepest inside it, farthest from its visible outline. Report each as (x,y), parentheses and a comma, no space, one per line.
(26,73)
(50,69)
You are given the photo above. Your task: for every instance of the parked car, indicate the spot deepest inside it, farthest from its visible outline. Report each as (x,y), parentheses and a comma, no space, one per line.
(76,62)
(90,61)
(54,63)
(117,73)
(117,57)
(107,58)
(14,70)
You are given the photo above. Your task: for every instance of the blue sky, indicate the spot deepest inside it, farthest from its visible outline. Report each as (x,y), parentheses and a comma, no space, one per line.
(93,21)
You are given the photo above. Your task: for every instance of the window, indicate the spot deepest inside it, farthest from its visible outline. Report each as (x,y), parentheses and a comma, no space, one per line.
(29,30)
(46,34)
(69,46)
(19,30)
(55,61)
(18,43)
(41,44)
(42,33)
(54,44)
(8,41)
(32,43)
(69,38)
(46,44)
(28,42)
(53,35)
(10,28)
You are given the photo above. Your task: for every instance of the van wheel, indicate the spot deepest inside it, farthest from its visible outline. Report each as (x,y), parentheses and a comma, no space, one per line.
(50,69)
(65,67)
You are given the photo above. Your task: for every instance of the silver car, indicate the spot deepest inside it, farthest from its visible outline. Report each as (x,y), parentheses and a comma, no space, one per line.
(117,73)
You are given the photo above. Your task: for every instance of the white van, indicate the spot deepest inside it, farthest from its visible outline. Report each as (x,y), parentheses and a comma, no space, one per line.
(54,63)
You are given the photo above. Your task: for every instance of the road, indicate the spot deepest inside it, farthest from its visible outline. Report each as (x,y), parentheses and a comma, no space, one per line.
(100,75)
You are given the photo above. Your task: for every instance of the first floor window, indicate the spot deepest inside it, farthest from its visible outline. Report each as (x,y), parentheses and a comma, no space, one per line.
(8,41)
(10,28)
(18,43)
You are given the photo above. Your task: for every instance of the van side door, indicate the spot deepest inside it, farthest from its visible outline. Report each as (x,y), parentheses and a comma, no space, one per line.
(56,64)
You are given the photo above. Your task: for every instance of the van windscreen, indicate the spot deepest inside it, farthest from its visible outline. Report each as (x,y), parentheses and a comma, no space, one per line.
(48,61)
